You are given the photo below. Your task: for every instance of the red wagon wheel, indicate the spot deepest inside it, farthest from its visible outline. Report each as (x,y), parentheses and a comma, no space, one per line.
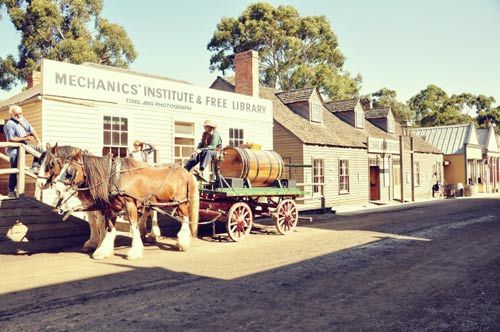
(239,221)
(286,216)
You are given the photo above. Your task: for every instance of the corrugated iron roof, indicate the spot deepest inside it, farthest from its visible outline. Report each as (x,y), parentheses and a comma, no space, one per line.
(449,139)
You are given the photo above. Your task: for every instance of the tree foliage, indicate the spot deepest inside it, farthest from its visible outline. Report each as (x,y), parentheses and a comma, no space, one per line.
(294,51)
(433,107)
(63,30)
(386,98)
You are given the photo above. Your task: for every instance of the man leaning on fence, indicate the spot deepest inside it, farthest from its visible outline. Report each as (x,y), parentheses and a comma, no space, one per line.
(19,130)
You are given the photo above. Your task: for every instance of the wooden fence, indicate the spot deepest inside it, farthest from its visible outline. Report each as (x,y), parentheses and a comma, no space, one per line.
(21,170)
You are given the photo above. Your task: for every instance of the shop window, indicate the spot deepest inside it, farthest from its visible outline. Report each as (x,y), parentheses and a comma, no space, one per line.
(184,142)
(316,113)
(343,176)
(115,136)
(416,170)
(235,137)
(318,175)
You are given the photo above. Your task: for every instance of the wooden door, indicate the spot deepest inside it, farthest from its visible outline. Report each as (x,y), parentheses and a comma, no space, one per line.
(374,183)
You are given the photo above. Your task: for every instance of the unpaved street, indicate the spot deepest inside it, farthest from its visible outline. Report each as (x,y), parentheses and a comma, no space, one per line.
(427,266)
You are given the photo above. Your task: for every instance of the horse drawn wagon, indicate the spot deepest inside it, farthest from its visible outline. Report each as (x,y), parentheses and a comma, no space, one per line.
(246,184)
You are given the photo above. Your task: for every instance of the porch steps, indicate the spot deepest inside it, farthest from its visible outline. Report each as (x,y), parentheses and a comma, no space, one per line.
(29,226)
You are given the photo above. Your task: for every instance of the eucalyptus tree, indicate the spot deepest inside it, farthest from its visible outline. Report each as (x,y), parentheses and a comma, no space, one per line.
(295,51)
(65,30)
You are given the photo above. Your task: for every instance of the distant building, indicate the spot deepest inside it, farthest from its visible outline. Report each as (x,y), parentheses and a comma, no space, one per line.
(462,150)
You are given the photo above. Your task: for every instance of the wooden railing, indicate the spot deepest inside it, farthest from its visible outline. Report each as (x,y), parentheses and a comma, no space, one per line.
(21,170)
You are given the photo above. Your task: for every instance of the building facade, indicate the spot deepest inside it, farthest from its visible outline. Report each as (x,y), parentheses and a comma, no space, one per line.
(341,153)
(104,109)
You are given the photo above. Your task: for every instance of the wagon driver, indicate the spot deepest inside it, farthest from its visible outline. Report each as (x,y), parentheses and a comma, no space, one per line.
(206,149)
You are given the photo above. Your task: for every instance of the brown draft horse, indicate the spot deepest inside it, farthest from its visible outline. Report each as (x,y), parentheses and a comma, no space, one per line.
(125,184)
(50,169)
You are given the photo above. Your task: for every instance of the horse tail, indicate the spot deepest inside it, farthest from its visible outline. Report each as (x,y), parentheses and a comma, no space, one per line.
(194,205)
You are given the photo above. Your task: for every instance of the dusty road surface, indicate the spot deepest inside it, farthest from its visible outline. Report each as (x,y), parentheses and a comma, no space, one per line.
(427,266)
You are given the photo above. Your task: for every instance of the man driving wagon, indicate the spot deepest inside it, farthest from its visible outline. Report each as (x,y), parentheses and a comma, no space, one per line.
(207,149)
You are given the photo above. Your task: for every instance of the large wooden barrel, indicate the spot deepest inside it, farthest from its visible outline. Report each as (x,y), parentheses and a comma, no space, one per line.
(261,168)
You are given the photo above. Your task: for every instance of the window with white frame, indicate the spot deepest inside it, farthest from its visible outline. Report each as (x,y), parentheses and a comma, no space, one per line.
(343,176)
(115,136)
(184,142)
(235,137)
(360,119)
(316,115)
(318,175)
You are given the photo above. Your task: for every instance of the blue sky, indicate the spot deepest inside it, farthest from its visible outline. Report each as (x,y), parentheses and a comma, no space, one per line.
(400,44)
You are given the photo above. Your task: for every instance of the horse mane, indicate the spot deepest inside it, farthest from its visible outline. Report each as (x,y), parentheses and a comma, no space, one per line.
(66,150)
(98,176)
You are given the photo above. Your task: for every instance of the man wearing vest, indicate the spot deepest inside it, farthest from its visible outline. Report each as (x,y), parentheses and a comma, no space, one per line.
(18,130)
(207,148)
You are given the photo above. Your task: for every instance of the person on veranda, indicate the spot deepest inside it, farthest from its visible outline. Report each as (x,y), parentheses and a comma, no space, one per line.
(19,130)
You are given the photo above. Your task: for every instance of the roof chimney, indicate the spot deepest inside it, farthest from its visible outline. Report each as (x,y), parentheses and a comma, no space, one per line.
(366,104)
(406,127)
(489,122)
(34,78)
(247,73)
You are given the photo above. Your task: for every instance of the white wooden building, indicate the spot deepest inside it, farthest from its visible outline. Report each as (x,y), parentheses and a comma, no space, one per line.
(104,109)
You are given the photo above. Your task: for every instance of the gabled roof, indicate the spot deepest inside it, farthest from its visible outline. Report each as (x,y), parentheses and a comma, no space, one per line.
(295,96)
(314,133)
(487,139)
(222,83)
(333,131)
(342,105)
(377,113)
(449,139)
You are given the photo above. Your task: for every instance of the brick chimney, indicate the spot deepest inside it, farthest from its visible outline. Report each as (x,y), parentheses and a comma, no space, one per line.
(247,73)
(34,79)
(366,104)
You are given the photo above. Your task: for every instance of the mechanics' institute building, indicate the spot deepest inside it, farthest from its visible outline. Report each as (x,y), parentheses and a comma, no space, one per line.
(105,109)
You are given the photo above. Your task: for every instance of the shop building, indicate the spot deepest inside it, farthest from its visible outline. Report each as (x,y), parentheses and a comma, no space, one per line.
(463,157)
(489,179)
(338,151)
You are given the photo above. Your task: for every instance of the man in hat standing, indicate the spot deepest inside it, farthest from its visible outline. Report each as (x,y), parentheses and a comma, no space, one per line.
(207,148)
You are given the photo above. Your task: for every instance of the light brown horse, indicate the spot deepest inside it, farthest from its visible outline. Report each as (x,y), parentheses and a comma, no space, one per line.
(129,185)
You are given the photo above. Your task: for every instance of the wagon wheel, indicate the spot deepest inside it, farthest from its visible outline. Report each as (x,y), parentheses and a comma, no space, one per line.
(239,221)
(286,216)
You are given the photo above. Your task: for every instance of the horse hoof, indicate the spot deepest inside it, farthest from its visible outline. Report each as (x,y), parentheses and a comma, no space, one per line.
(89,247)
(183,246)
(150,238)
(100,255)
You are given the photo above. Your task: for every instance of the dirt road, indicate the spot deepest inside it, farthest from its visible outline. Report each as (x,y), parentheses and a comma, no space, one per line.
(427,266)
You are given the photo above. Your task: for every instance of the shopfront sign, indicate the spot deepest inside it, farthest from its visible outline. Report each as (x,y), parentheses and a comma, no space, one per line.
(105,84)
(381,145)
